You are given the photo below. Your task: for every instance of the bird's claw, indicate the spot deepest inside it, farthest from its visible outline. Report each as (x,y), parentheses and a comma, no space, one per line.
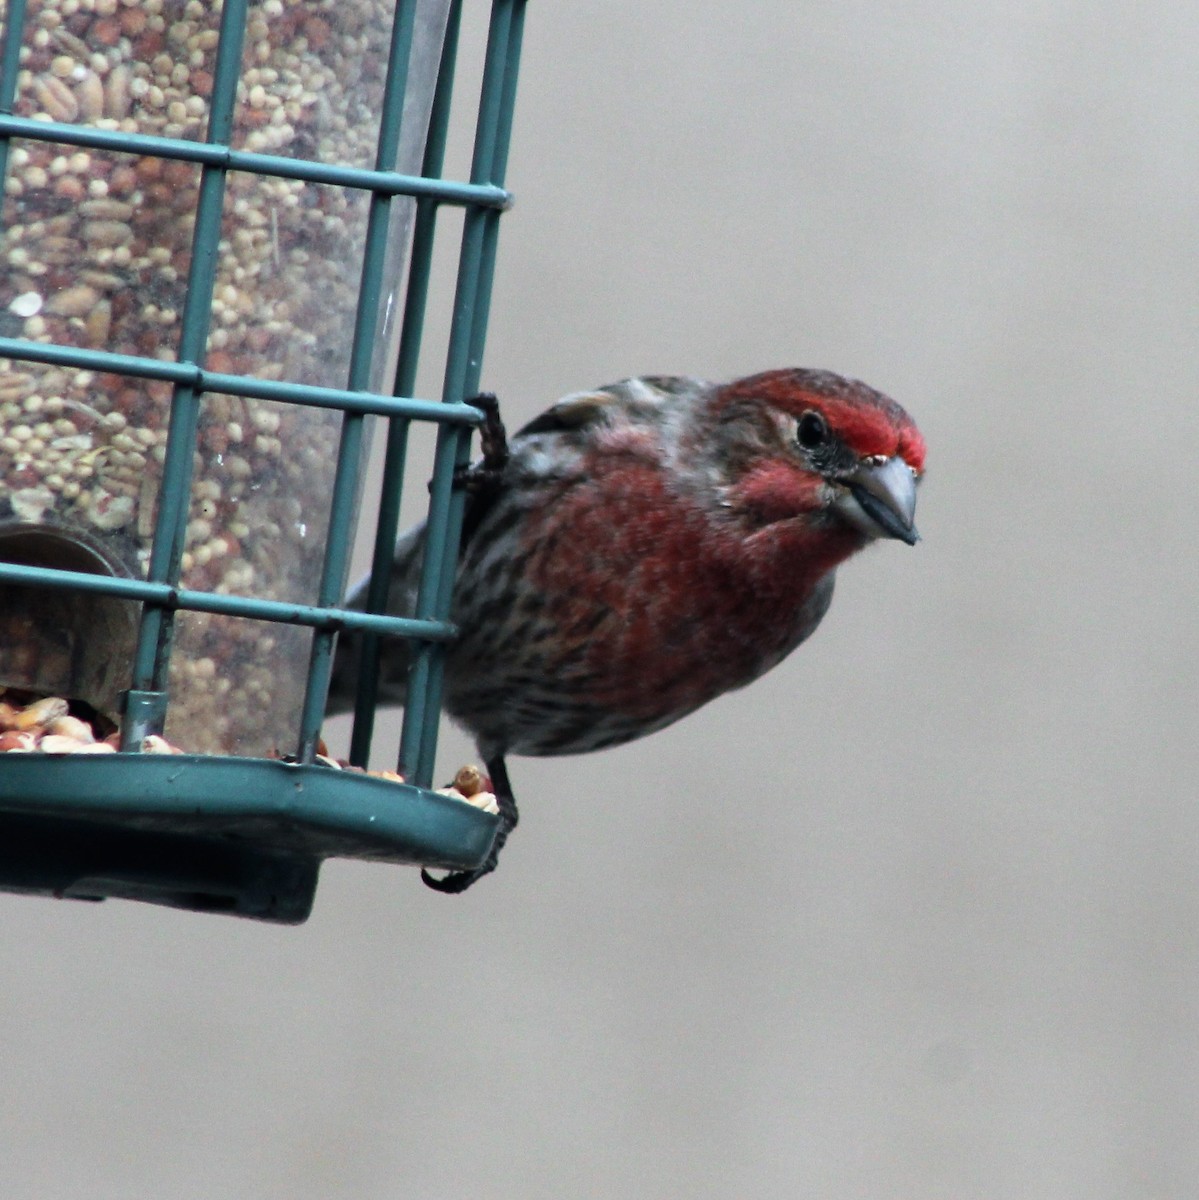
(492,434)
(486,474)
(453,883)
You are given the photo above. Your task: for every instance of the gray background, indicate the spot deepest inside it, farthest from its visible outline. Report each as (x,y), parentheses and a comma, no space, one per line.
(915,916)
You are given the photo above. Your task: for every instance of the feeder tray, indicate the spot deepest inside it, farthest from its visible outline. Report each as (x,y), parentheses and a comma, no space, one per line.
(214,834)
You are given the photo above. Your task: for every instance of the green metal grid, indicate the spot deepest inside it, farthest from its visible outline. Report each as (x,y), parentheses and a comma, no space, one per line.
(339,795)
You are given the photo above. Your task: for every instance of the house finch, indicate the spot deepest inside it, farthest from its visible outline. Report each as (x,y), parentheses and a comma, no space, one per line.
(645,547)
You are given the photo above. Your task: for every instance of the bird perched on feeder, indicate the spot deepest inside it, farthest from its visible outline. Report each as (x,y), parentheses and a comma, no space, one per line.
(640,549)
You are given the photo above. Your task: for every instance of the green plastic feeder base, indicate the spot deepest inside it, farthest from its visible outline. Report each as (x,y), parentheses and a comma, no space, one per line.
(241,836)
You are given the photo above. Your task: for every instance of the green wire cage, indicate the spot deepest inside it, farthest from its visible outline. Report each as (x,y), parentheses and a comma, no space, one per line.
(218,235)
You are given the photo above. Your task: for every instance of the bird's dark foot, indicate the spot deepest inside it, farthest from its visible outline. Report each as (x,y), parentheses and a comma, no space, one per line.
(459,881)
(485,475)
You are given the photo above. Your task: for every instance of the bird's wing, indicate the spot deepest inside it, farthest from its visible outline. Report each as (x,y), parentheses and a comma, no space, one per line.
(645,399)
(572,412)
(539,450)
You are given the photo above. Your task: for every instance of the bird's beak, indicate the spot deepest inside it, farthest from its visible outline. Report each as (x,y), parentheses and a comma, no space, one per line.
(885,494)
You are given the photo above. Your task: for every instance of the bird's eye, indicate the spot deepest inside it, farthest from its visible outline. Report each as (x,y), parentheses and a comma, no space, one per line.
(812,431)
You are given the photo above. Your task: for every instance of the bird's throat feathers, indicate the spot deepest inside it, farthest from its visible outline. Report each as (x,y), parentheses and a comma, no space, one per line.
(668,569)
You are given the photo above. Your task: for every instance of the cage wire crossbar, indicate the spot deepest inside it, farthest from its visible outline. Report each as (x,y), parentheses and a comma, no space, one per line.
(331,812)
